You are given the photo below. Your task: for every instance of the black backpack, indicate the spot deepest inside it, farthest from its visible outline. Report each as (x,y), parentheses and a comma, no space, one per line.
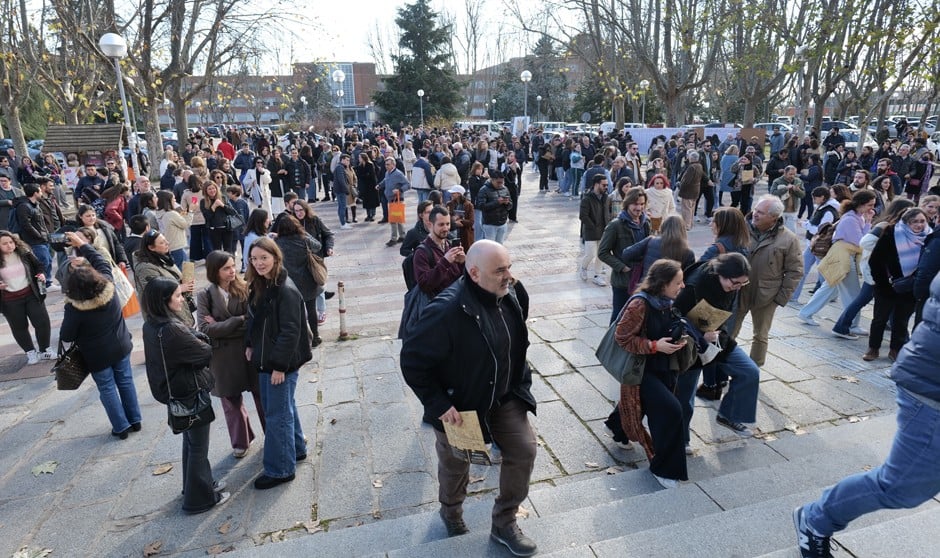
(408,265)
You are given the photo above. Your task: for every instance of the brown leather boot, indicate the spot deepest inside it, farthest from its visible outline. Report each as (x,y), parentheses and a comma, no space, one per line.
(870,355)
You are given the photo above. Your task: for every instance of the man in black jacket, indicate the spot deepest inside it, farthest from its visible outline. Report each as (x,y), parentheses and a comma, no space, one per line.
(33,227)
(482,313)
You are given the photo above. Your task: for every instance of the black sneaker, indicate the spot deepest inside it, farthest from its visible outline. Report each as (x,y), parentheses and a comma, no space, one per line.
(739,428)
(455,527)
(514,539)
(810,544)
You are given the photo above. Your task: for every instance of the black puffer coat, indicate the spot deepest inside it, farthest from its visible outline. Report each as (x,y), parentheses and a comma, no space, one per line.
(180,366)
(277,328)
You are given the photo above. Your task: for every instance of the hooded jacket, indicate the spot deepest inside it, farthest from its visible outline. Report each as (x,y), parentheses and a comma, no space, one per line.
(915,369)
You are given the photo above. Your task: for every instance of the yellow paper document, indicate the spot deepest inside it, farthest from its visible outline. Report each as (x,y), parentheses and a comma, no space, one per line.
(466,441)
(706,317)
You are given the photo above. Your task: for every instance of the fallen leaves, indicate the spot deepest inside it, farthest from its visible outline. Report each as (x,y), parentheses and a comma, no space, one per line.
(849,379)
(162,469)
(153,549)
(46,468)
(522,513)
(795,428)
(225,528)
(312,527)
(377,483)
(592,465)
(27,552)
(613,470)
(474,480)
(333,421)
(219,549)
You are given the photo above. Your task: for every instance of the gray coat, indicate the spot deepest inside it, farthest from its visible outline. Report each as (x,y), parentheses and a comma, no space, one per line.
(232,372)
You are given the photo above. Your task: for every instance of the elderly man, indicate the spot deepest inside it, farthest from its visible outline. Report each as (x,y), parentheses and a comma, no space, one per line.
(482,313)
(776,269)
(394,186)
(693,181)
(790,190)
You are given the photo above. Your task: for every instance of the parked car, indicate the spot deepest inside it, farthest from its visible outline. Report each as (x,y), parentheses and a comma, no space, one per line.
(852,135)
(933,145)
(769,127)
(830,124)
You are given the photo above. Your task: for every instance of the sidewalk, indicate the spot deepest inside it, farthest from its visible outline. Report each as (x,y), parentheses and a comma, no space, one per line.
(370,457)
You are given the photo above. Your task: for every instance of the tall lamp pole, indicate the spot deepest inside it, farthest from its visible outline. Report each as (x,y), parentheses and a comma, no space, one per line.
(114,47)
(339,76)
(303,101)
(526,77)
(493,104)
(421,103)
(644,85)
(538,108)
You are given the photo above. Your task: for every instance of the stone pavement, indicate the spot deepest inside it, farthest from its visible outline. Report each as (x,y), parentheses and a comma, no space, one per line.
(371,459)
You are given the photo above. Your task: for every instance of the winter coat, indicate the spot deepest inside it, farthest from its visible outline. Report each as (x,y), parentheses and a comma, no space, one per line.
(781,188)
(837,263)
(433,273)
(177,360)
(215,217)
(619,234)
(915,369)
(146,267)
(448,358)
(928,267)
(296,262)
(32,223)
(446,177)
(96,325)
(277,329)
(693,180)
(649,250)
(776,266)
(494,212)
(593,215)
(232,373)
(33,268)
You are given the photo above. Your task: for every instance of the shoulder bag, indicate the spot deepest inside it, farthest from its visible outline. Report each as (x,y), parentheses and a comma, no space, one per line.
(185,413)
(70,369)
(317,267)
(624,366)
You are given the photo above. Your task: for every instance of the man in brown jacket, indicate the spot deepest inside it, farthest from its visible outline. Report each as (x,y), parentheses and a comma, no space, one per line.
(593,216)
(776,268)
(690,186)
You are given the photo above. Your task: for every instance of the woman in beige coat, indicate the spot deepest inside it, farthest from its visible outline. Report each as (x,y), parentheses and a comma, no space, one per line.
(222,310)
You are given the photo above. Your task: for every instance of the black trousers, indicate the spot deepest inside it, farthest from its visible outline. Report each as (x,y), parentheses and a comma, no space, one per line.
(743,198)
(222,239)
(311,307)
(708,193)
(198,494)
(666,425)
(514,198)
(902,308)
(22,312)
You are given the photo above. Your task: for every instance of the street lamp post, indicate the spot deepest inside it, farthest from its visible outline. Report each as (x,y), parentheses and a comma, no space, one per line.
(303,101)
(644,85)
(339,76)
(538,108)
(493,104)
(526,77)
(114,47)
(421,103)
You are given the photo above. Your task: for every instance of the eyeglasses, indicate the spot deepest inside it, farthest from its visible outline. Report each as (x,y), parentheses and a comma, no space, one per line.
(739,284)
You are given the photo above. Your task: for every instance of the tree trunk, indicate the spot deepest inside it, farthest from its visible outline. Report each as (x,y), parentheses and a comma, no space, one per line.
(15,128)
(151,120)
(182,126)
(673,106)
(619,112)
(749,110)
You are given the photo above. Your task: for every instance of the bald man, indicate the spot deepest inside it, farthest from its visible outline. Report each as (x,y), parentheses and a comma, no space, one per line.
(468,353)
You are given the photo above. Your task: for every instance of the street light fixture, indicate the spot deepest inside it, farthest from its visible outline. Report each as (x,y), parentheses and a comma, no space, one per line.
(493,104)
(526,77)
(538,108)
(303,101)
(114,47)
(644,85)
(421,103)
(339,76)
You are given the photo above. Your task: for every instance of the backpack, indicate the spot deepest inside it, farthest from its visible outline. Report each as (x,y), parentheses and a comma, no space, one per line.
(822,241)
(408,266)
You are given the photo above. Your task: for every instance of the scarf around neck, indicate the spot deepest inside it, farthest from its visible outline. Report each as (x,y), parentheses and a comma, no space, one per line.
(909,244)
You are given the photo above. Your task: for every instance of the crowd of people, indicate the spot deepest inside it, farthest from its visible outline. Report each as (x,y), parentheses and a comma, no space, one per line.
(251,211)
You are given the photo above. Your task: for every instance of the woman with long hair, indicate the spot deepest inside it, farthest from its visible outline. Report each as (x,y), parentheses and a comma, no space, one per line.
(215,209)
(106,240)
(615,199)
(839,267)
(297,247)
(672,244)
(660,201)
(22,297)
(223,312)
(153,260)
(475,181)
(893,262)
(277,345)
(315,227)
(366,177)
(93,321)
(173,225)
(644,328)
(728,159)
(177,359)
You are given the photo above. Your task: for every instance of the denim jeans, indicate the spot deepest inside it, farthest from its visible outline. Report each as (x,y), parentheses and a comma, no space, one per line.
(809,260)
(865,295)
(283,435)
(340,207)
(496,233)
(422,194)
(740,402)
(118,394)
(179,256)
(478,233)
(906,479)
(41,251)
(563,184)
(848,289)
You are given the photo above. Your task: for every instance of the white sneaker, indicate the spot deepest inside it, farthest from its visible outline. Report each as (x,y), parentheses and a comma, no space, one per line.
(664,482)
(599,281)
(583,274)
(48,354)
(346,226)
(53,288)
(858,331)
(808,321)
(689,450)
(32,357)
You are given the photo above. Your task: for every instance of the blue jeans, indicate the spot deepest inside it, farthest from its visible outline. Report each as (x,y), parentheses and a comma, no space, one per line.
(340,207)
(562,180)
(865,295)
(423,195)
(179,256)
(740,402)
(41,251)
(496,233)
(809,260)
(848,289)
(478,233)
(283,435)
(118,394)
(906,479)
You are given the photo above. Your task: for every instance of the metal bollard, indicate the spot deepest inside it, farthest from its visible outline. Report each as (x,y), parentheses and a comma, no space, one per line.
(341,294)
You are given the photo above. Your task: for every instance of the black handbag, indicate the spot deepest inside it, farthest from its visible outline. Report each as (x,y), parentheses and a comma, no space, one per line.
(187,412)
(70,369)
(234,222)
(903,285)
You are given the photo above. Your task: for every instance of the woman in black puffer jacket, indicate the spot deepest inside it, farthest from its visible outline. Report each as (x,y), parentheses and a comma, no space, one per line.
(297,245)
(178,363)
(277,344)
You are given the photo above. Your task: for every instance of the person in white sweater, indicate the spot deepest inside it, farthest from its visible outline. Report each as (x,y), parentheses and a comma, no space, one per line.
(660,201)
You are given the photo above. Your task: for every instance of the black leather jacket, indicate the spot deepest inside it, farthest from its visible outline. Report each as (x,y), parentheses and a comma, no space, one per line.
(449,358)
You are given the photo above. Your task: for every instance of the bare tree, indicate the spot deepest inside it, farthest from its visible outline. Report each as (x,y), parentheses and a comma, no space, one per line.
(15,74)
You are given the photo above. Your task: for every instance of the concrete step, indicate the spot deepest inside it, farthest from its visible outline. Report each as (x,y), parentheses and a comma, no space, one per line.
(596,507)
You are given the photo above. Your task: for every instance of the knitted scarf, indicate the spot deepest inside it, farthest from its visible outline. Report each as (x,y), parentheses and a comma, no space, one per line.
(909,244)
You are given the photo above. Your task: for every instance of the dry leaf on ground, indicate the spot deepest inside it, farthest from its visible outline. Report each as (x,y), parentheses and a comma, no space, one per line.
(377,483)
(312,526)
(153,549)
(219,549)
(163,469)
(225,527)
(474,480)
(27,552)
(277,536)
(613,470)
(849,379)
(522,513)
(592,465)
(46,468)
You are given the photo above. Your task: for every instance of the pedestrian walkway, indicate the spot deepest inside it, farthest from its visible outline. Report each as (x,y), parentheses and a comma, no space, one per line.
(371,459)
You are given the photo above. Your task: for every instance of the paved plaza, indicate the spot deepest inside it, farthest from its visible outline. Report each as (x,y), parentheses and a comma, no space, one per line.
(370,458)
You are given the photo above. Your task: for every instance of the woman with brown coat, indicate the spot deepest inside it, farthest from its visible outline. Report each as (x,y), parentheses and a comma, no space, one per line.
(222,309)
